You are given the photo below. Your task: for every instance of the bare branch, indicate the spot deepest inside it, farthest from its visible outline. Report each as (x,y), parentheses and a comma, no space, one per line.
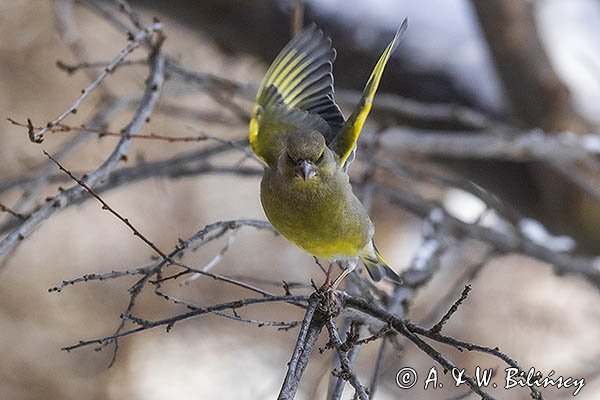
(38,182)
(198,239)
(282,325)
(107,207)
(372,312)
(437,328)
(177,167)
(15,214)
(311,327)
(64,12)
(238,144)
(500,145)
(563,263)
(469,275)
(347,372)
(418,114)
(537,95)
(170,322)
(149,100)
(353,331)
(377,368)
(72,68)
(38,136)
(401,326)
(133,16)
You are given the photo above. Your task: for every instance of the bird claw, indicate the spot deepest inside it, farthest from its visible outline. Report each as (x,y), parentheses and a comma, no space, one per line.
(330,301)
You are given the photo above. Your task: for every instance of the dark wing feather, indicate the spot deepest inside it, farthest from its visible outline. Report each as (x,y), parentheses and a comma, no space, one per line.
(301,79)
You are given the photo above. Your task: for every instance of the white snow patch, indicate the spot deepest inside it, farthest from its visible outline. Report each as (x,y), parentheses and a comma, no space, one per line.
(463,205)
(537,233)
(591,143)
(437,215)
(425,253)
(596,263)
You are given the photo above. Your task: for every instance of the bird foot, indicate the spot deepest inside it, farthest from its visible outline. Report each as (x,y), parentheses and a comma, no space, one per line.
(340,278)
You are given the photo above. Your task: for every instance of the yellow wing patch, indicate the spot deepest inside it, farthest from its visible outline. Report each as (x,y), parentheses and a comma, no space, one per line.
(300,79)
(254,124)
(345,141)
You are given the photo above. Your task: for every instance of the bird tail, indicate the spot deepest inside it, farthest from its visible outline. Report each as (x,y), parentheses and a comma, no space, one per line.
(377,267)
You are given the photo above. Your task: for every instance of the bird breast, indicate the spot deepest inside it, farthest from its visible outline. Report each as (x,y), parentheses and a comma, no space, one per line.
(322,217)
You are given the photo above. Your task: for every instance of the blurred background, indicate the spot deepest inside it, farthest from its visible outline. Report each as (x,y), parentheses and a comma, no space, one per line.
(516,65)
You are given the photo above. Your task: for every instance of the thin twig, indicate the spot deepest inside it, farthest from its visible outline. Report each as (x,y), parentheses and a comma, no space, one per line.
(170,322)
(216,259)
(437,328)
(378,365)
(72,68)
(403,328)
(107,207)
(282,325)
(15,214)
(307,337)
(149,100)
(37,136)
(198,239)
(35,187)
(101,132)
(133,16)
(347,371)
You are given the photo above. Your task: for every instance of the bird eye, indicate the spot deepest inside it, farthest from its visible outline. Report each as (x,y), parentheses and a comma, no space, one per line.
(290,159)
(321,157)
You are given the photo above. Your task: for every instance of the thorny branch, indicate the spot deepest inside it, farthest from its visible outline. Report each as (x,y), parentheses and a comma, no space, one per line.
(366,303)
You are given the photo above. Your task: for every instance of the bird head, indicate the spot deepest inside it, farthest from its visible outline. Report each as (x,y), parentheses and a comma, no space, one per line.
(306,156)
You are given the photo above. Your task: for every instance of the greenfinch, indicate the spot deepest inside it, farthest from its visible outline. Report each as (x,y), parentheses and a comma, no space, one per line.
(300,134)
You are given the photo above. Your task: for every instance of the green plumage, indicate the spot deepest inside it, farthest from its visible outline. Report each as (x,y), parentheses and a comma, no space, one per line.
(321,214)
(299,132)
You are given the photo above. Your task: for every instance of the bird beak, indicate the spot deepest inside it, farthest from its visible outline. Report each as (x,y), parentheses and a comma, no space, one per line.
(306,170)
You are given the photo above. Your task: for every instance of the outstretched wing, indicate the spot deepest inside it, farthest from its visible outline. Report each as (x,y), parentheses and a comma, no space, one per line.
(298,86)
(344,143)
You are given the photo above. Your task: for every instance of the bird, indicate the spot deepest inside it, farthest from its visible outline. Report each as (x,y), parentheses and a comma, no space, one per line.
(299,133)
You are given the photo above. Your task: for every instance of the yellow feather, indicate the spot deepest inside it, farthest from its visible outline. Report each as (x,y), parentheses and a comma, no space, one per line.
(287,72)
(346,140)
(272,75)
(254,127)
(297,76)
